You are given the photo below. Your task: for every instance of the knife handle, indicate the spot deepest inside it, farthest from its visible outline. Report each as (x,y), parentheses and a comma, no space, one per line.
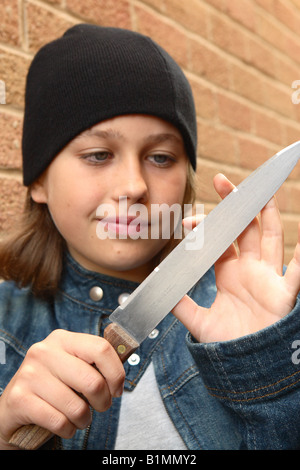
(31,436)
(121,341)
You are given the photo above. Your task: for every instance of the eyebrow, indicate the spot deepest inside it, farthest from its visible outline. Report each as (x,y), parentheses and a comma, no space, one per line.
(112,133)
(98,133)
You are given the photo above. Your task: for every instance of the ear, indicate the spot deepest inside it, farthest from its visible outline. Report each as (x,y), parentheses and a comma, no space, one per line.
(38,191)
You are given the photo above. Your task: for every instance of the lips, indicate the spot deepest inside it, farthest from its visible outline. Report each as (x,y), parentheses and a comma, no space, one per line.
(124,225)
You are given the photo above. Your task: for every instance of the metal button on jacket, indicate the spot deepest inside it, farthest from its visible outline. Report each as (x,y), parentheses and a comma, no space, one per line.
(153,334)
(123,297)
(134,359)
(96,293)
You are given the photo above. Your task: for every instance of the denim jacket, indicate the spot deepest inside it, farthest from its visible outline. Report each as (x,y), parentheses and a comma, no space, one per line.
(239,394)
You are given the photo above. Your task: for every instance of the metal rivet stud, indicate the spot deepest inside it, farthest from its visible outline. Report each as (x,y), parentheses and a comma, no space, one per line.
(122,298)
(134,359)
(96,293)
(153,334)
(121,349)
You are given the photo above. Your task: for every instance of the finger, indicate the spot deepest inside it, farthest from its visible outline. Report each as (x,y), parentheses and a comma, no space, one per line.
(28,408)
(190,222)
(249,241)
(189,313)
(99,351)
(87,381)
(223,187)
(292,274)
(272,247)
(65,374)
(64,400)
(46,416)
(76,367)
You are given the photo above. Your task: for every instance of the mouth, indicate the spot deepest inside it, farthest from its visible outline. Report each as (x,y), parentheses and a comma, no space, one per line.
(124,226)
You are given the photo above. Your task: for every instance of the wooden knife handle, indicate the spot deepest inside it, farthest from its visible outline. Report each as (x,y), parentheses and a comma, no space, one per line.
(122,342)
(31,436)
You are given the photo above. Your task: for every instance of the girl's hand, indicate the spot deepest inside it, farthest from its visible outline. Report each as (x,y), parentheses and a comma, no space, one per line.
(252,293)
(43,391)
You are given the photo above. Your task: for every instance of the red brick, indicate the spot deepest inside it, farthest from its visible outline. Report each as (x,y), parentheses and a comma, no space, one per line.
(279,98)
(247,82)
(11,202)
(218,4)
(207,171)
(267,5)
(288,197)
(164,32)
(44,25)
(56,2)
(210,63)
(288,15)
(253,153)
(262,57)
(217,144)
(286,70)
(10,22)
(285,41)
(290,226)
(192,14)
(233,113)
(205,189)
(103,12)
(13,70)
(204,96)
(292,133)
(296,3)
(267,28)
(228,36)
(269,126)
(10,137)
(157,4)
(241,11)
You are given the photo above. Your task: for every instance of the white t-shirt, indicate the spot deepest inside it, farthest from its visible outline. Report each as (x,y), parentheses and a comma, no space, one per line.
(144,422)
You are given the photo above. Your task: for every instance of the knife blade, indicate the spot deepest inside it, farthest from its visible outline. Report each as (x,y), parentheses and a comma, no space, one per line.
(155,297)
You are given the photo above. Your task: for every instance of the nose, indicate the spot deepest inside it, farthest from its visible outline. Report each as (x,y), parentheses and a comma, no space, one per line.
(131,183)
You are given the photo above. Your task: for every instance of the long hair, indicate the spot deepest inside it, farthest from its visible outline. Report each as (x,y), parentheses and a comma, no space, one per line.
(32,254)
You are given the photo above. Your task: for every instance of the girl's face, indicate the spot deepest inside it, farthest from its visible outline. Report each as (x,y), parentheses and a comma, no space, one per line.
(95,185)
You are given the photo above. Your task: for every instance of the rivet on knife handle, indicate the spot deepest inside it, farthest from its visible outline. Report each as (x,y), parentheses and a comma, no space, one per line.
(122,342)
(31,436)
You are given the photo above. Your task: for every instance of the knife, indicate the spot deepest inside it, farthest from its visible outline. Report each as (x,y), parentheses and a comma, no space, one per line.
(155,297)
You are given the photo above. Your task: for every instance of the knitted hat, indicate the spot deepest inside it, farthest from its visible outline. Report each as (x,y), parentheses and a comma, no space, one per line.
(93,73)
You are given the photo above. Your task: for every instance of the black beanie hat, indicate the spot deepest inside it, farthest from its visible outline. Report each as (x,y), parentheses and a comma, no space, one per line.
(93,73)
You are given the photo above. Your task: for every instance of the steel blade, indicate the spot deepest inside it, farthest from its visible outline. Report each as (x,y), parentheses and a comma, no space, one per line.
(155,297)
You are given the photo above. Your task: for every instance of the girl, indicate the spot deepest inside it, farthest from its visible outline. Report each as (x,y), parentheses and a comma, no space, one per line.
(110,116)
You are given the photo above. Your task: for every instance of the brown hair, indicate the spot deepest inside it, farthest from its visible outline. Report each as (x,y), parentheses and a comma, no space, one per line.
(32,255)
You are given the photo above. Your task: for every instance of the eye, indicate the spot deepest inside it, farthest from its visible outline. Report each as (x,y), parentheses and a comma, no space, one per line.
(97,157)
(161,159)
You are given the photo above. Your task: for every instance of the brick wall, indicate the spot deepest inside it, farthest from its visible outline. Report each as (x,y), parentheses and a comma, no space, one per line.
(241,57)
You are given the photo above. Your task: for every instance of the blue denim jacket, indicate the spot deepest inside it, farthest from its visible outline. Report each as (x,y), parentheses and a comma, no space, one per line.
(239,394)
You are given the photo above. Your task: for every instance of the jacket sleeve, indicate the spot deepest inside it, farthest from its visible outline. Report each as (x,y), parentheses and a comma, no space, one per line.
(258,377)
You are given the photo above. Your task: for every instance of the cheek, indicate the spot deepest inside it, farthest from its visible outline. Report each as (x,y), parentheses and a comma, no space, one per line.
(172,190)
(70,208)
